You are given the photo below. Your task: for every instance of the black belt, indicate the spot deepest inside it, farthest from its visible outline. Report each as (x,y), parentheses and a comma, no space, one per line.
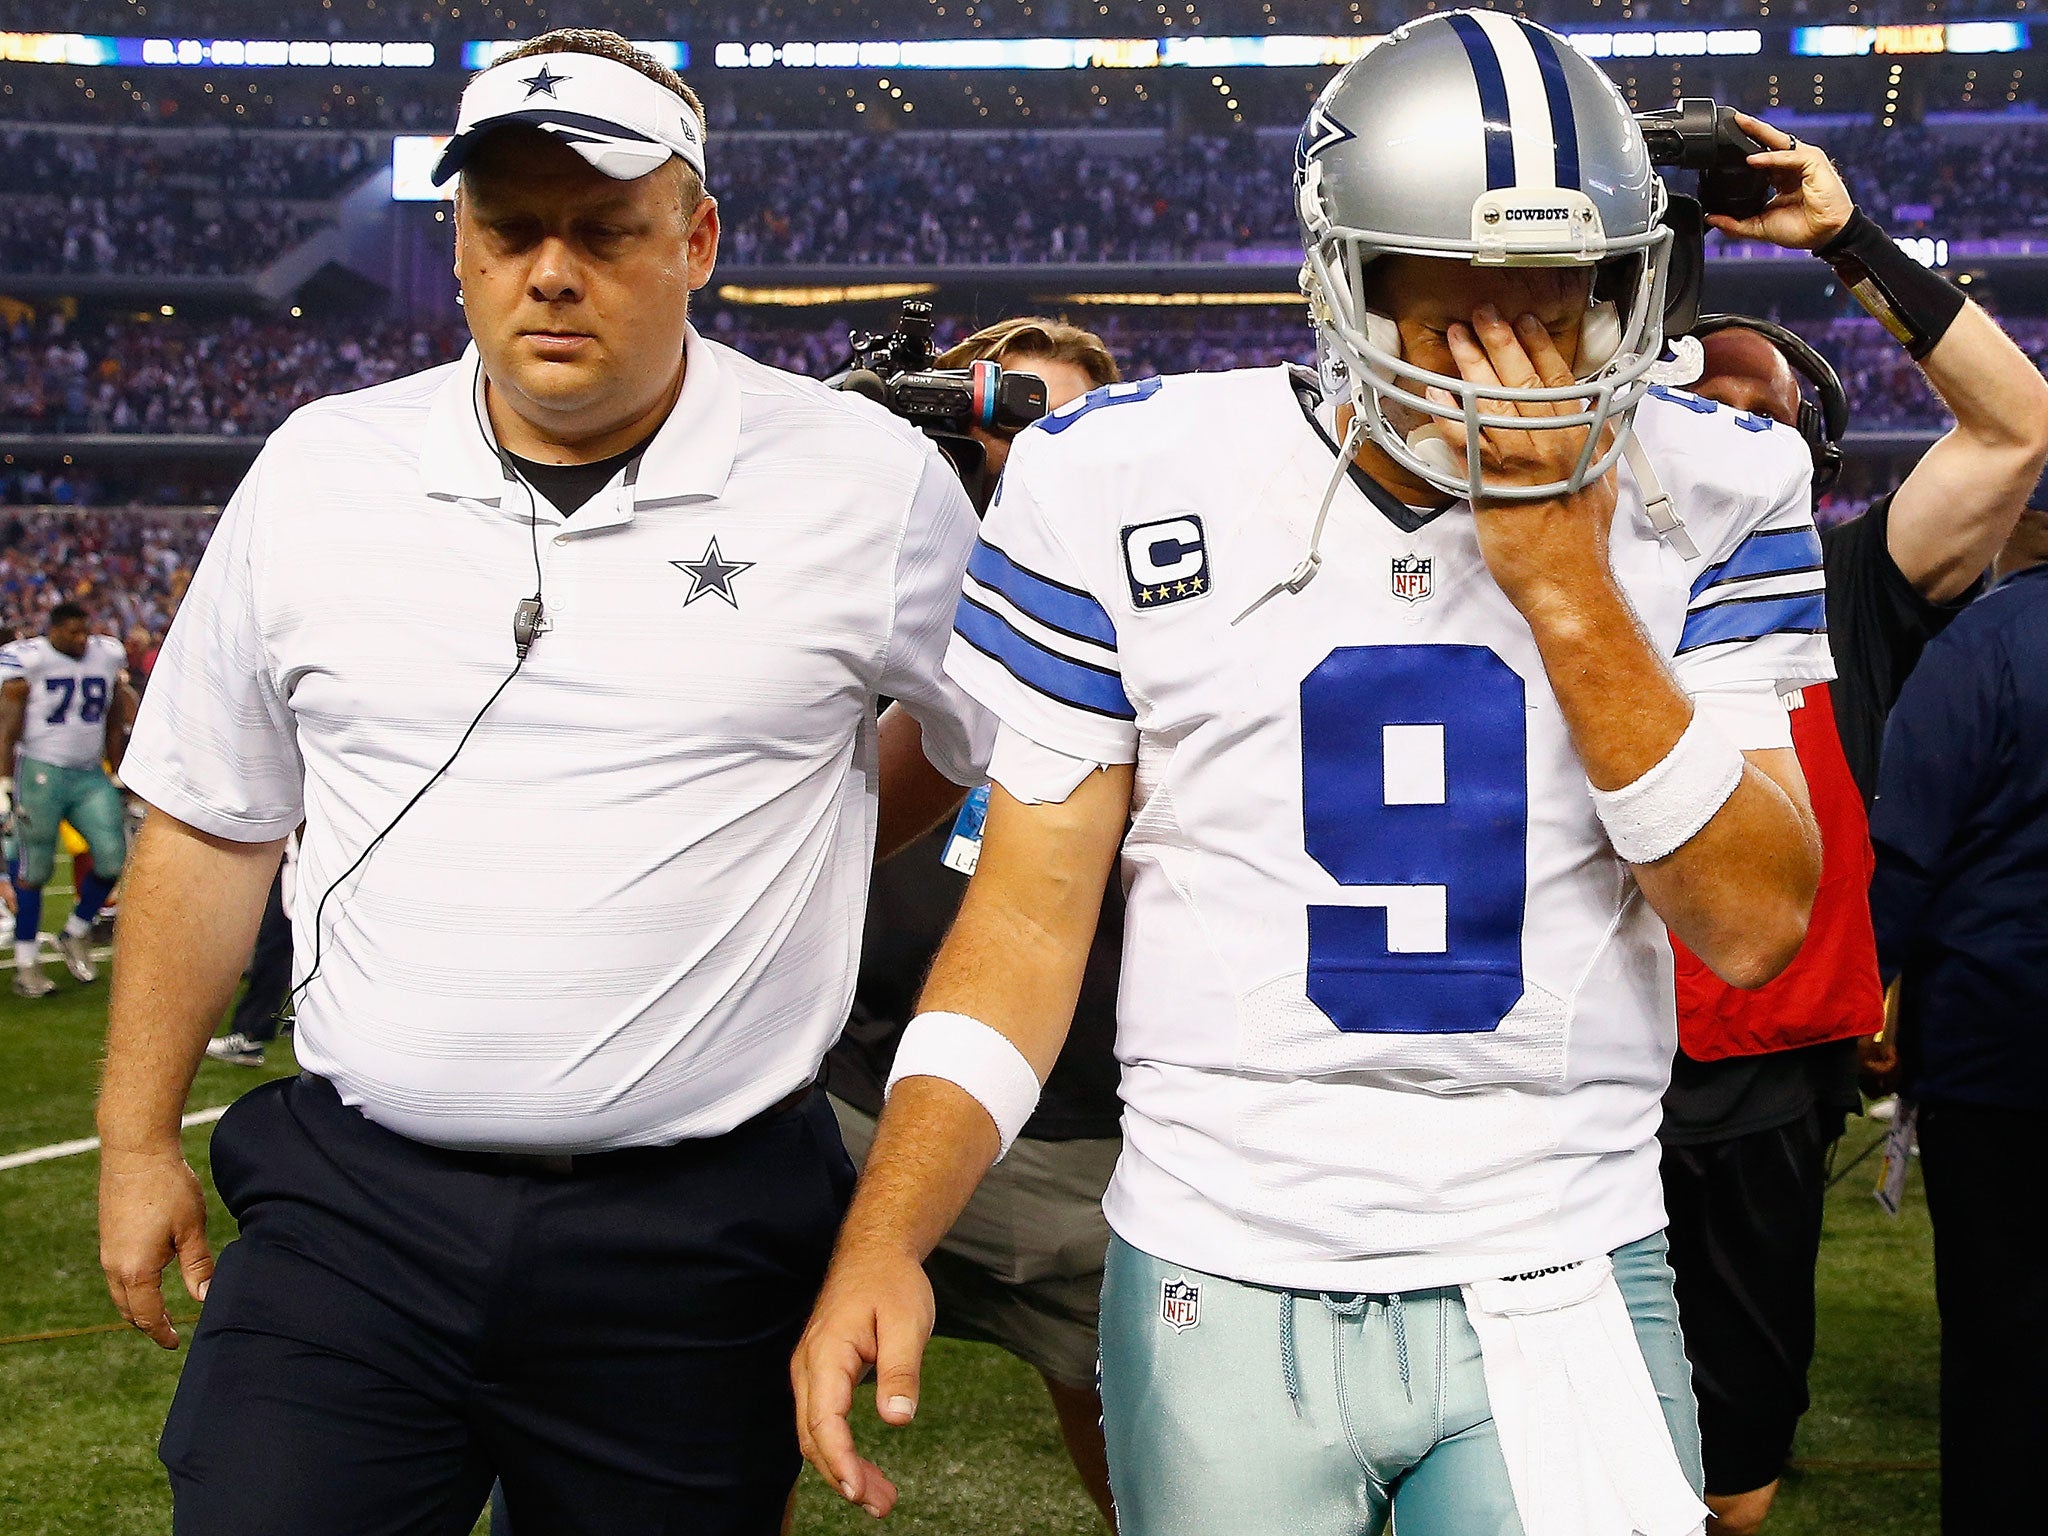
(565,1165)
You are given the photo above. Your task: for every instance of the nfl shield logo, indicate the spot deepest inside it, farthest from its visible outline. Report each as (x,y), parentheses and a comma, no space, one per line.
(1411,577)
(1180,1304)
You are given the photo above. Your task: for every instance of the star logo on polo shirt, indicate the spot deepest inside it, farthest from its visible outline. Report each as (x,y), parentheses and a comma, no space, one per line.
(713,573)
(542,84)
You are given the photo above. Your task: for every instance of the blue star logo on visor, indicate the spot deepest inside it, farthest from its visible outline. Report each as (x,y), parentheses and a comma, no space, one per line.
(712,574)
(542,84)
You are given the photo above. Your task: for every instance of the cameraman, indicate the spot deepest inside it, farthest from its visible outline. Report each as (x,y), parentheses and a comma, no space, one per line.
(1022,1269)
(1764,1078)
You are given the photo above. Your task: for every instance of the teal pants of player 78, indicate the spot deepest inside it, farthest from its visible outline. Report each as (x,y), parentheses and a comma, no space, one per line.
(1283,1413)
(46,796)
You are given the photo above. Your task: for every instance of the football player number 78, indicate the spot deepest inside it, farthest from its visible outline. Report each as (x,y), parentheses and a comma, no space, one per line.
(1415,794)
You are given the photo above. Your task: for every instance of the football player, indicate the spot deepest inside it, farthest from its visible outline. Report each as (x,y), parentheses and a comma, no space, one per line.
(66,705)
(1432,697)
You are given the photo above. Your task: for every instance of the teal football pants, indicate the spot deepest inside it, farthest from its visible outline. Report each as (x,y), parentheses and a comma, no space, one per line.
(1300,1414)
(46,796)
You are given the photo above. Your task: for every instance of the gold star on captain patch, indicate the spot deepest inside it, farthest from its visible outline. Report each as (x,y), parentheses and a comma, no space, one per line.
(1194,583)
(1180,589)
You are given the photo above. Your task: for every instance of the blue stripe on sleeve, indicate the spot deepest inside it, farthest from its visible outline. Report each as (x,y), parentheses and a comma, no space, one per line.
(1778,553)
(1803,613)
(1493,99)
(1053,604)
(1564,128)
(1072,683)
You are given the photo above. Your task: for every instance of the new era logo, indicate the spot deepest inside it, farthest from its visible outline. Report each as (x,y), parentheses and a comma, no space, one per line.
(1180,1304)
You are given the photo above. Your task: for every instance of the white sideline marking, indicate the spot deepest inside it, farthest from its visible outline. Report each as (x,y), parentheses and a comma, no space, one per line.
(58,1149)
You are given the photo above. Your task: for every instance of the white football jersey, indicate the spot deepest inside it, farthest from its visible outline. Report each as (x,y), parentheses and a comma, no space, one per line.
(1393,1013)
(68,698)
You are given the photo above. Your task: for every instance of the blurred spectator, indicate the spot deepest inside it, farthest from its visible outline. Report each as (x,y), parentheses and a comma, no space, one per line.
(1961,904)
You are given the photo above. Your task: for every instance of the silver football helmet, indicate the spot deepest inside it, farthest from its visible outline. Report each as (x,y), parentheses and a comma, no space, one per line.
(1481,138)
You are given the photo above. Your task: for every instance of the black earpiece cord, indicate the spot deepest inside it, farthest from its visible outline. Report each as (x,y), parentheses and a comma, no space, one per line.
(523,623)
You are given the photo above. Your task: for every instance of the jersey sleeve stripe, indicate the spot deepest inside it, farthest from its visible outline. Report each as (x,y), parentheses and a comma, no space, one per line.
(1052,603)
(1068,682)
(1752,619)
(1775,552)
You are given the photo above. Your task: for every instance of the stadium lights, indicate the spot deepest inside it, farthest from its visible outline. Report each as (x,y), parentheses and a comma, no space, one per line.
(82,48)
(1173,300)
(483,55)
(799,298)
(1967,37)
(1291,51)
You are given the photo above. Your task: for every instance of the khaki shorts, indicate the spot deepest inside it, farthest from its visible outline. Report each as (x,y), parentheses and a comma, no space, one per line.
(1022,1268)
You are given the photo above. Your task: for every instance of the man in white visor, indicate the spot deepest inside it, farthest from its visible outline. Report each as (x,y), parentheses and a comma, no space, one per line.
(567,655)
(1426,715)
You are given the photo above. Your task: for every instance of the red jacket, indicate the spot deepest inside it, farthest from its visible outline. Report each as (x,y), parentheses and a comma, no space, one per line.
(1830,991)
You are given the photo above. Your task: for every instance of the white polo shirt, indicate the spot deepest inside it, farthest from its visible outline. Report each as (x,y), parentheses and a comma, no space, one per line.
(631,912)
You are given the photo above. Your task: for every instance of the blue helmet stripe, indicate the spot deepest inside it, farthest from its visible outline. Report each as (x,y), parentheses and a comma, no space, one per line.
(1564,128)
(1493,100)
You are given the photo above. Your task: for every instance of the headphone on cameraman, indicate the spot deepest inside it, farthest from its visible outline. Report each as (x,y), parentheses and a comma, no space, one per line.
(1821,425)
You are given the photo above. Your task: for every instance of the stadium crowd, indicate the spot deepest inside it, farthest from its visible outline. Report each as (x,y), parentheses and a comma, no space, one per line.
(243,376)
(105,204)
(143,234)
(130,568)
(1011,199)
(234,378)
(247,164)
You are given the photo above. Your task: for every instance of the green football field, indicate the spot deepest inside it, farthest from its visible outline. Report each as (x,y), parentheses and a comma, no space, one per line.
(81,1399)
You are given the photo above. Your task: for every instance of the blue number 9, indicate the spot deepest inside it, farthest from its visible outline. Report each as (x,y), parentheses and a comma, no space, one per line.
(1414,781)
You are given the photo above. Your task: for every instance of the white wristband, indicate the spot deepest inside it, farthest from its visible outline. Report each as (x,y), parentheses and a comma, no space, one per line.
(1664,809)
(979,1060)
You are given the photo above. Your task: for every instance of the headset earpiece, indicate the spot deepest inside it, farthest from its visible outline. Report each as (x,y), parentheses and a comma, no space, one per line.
(1822,422)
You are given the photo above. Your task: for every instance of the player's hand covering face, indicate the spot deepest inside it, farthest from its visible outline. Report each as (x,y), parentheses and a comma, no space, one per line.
(576,286)
(1491,350)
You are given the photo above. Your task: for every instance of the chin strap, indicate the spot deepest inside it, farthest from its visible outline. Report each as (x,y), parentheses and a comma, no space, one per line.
(1312,562)
(1663,517)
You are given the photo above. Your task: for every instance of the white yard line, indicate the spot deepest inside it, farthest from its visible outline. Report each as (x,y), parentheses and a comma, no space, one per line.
(104,952)
(58,1149)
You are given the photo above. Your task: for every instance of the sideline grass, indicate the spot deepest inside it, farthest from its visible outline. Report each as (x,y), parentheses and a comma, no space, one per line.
(79,1416)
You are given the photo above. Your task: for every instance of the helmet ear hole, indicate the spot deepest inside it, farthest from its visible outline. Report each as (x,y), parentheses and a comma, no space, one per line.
(1599,337)
(1381,331)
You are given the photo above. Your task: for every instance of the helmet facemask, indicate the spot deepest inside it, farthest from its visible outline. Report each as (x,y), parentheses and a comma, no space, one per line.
(1621,339)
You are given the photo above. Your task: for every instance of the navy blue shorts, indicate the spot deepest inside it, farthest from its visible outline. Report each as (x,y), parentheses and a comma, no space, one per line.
(398,1325)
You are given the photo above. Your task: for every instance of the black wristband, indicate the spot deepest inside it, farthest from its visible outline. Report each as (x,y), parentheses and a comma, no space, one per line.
(1916,305)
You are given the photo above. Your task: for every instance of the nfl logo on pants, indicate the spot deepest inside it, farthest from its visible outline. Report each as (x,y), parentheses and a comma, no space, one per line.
(1411,577)
(1180,1304)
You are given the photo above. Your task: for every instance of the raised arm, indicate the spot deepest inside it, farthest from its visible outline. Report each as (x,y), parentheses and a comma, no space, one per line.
(1740,888)
(1958,506)
(1013,961)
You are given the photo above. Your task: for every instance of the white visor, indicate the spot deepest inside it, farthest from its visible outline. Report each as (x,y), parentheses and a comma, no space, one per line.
(616,118)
